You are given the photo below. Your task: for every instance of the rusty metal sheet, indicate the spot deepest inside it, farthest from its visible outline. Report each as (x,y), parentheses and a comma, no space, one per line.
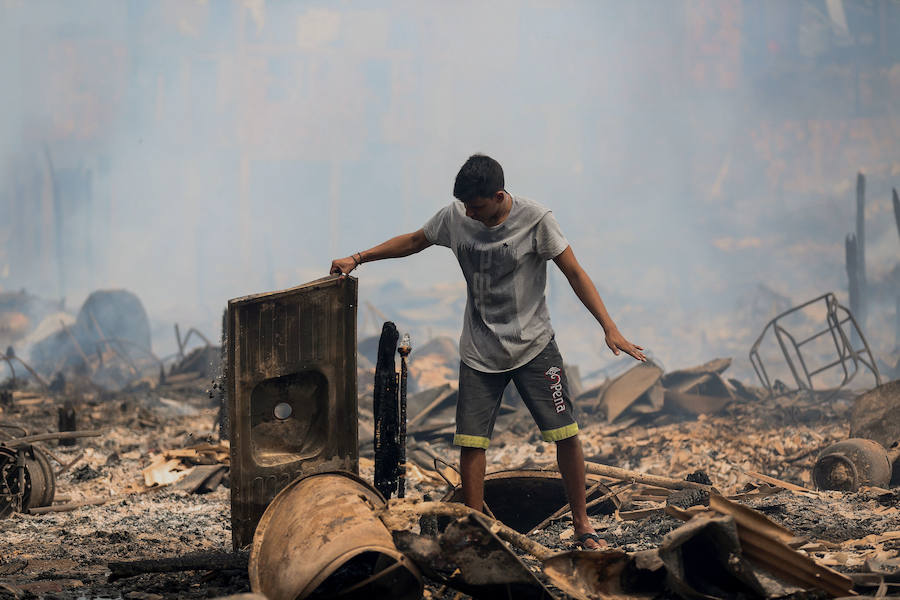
(766,544)
(291,387)
(320,538)
(468,557)
(628,387)
(608,574)
(704,559)
(698,390)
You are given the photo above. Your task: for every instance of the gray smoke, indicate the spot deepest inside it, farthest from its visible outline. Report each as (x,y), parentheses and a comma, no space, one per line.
(196,151)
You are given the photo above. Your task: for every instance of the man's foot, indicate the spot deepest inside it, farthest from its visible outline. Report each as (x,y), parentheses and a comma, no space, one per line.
(589,541)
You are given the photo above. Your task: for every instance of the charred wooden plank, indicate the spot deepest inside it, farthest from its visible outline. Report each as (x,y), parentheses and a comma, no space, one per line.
(217,561)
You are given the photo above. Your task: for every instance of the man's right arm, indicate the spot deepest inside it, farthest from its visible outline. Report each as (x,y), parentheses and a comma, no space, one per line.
(396,247)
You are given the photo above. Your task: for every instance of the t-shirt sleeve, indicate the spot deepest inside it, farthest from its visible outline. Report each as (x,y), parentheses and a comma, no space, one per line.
(549,239)
(437,229)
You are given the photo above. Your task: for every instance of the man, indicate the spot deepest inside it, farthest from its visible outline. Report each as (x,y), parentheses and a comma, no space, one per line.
(503,243)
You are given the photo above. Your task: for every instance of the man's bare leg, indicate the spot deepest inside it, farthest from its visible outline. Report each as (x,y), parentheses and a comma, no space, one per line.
(471,467)
(570,458)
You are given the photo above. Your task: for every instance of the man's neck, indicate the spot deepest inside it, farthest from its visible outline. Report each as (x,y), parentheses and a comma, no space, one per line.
(504,213)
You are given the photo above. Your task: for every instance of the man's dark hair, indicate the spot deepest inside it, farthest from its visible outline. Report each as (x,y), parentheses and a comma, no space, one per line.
(480,177)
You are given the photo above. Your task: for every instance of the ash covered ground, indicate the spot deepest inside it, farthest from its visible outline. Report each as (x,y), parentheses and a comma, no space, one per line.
(66,554)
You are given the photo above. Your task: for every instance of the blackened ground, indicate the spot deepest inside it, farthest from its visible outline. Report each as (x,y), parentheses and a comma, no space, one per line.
(65,555)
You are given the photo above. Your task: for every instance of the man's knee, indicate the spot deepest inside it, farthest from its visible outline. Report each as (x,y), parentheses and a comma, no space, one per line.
(568,442)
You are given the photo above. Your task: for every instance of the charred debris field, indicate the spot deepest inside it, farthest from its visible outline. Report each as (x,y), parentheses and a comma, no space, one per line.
(296,461)
(274,466)
(141,508)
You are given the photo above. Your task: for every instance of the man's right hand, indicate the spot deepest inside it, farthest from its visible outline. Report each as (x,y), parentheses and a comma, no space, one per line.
(342,266)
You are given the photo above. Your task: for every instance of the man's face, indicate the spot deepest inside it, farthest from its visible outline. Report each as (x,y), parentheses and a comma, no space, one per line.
(485,210)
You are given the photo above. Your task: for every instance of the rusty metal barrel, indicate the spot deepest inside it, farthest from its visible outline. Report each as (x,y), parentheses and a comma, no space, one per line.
(851,464)
(523,498)
(321,538)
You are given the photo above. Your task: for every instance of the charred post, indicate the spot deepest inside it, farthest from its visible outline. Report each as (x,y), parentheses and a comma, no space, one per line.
(67,422)
(851,248)
(862,291)
(896,201)
(385,406)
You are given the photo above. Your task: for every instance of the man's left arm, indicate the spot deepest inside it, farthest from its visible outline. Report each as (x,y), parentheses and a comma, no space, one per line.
(586,291)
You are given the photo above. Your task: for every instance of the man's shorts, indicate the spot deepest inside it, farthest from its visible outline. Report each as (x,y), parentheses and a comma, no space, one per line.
(542,385)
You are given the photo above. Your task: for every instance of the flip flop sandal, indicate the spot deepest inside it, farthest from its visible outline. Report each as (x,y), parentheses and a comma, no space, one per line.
(581,541)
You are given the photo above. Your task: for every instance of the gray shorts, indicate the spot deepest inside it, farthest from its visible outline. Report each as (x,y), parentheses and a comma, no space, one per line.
(542,384)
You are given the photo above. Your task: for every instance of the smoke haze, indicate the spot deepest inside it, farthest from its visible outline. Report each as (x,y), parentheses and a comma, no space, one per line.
(691,150)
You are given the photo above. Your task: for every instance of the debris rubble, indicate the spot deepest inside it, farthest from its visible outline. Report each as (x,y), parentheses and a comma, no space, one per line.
(227,477)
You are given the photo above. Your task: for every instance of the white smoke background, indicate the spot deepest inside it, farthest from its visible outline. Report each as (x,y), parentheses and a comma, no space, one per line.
(700,156)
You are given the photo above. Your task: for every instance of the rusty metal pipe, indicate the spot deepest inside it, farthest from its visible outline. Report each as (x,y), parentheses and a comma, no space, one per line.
(320,534)
(403,349)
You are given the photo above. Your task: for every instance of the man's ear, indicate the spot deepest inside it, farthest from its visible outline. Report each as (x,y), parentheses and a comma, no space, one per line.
(498,196)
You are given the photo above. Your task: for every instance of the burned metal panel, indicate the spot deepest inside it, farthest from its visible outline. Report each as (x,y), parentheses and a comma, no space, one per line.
(469,557)
(291,391)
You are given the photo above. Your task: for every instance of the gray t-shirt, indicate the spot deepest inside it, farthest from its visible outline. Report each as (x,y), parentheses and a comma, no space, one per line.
(506,322)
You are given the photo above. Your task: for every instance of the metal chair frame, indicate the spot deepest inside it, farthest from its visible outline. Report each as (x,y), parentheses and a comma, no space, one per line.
(848,357)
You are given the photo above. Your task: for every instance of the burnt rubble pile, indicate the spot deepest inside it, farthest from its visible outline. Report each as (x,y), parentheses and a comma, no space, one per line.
(103,348)
(700,484)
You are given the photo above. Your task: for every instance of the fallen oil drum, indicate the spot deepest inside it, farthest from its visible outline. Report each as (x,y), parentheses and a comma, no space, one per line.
(851,464)
(39,482)
(522,498)
(319,538)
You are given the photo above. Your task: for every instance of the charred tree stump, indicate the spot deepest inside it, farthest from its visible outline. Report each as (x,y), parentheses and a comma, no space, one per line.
(897,325)
(853,278)
(896,201)
(387,417)
(219,390)
(67,422)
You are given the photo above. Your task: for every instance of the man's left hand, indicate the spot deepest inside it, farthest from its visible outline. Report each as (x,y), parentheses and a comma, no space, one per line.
(617,342)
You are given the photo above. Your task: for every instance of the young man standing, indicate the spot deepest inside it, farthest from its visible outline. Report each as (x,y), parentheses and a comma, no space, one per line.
(503,243)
